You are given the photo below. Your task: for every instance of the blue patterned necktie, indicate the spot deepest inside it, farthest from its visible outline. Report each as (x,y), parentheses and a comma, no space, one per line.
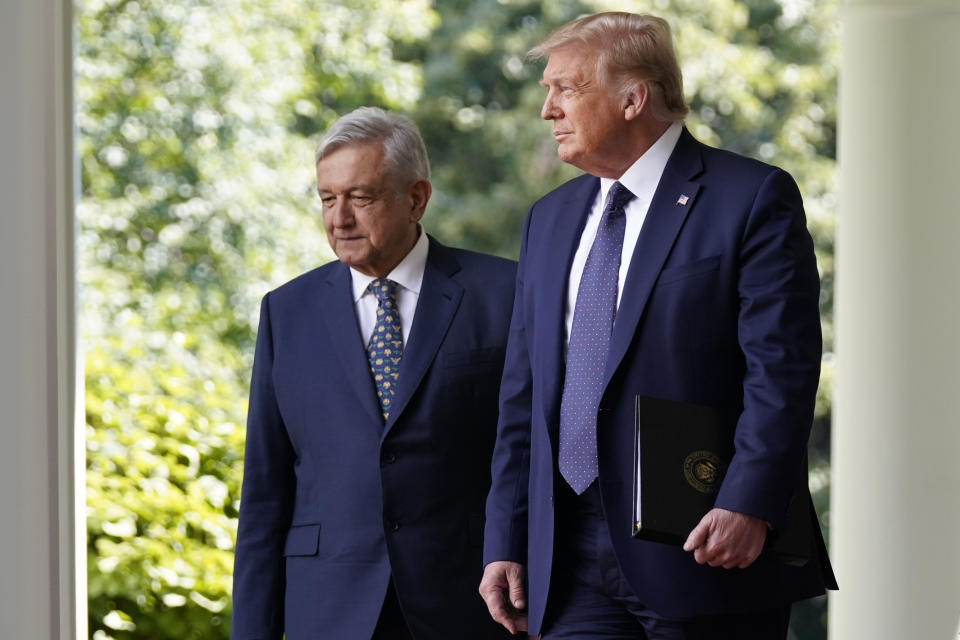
(589,343)
(386,343)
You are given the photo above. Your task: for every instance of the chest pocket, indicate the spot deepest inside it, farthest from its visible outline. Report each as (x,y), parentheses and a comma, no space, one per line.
(473,361)
(688,270)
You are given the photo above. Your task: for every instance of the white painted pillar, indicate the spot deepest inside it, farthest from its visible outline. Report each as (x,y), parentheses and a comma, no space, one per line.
(39,517)
(895,515)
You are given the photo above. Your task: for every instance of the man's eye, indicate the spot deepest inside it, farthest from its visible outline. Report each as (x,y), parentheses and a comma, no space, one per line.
(361,200)
(328,201)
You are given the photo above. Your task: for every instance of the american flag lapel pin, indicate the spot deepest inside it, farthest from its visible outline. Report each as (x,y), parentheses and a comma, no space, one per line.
(682,200)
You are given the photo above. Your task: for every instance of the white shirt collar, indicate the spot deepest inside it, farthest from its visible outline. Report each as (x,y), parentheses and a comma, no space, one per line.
(644,174)
(408,274)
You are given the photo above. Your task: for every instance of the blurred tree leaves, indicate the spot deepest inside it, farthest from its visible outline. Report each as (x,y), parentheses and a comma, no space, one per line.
(197,197)
(197,121)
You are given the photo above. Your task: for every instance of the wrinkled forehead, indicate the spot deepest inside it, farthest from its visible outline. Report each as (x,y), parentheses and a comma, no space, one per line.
(352,165)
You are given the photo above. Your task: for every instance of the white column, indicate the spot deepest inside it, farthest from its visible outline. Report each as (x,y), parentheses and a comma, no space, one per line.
(39,548)
(895,516)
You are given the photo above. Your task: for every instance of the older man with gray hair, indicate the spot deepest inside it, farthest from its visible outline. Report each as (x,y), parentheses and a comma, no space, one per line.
(671,271)
(373,407)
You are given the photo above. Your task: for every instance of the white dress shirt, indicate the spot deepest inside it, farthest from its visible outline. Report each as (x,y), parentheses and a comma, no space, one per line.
(408,275)
(641,179)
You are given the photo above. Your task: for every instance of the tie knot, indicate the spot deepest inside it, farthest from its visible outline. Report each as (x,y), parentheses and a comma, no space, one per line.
(617,197)
(383,289)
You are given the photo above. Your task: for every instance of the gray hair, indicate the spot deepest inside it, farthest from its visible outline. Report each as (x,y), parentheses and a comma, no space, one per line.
(405,155)
(630,48)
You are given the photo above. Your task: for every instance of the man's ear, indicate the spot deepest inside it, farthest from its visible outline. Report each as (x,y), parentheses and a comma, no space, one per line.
(636,101)
(418,196)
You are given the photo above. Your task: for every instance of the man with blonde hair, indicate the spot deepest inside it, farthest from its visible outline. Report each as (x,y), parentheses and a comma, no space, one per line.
(672,270)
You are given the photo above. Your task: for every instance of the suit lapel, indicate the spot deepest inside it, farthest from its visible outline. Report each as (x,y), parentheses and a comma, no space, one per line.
(436,306)
(564,236)
(341,319)
(672,202)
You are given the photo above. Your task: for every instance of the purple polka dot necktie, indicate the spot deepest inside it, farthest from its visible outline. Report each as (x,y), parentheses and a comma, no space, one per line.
(589,343)
(386,343)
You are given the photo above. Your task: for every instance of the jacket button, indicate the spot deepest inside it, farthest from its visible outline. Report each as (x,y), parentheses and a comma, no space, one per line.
(392,525)
(388,457)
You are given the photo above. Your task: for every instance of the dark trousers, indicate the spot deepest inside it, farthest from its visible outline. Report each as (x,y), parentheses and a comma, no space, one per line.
(391,624)
(591,599)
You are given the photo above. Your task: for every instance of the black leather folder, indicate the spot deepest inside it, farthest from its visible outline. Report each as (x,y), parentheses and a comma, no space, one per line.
(682,454)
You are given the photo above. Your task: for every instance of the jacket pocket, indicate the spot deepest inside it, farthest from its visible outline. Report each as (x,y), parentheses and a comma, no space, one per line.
(302,540)
(680,272)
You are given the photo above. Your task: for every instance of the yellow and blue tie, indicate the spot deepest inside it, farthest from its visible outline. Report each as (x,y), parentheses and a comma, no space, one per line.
(386,343)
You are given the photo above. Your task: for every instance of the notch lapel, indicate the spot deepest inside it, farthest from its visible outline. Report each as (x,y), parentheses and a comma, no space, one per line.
(672,202)
(437,305)
(341,319)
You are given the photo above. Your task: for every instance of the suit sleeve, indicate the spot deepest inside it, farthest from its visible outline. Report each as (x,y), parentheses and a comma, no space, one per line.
(266,503)
(779,335)
(505,532)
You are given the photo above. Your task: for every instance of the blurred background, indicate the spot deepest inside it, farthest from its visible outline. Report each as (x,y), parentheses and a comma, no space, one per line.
(197,121)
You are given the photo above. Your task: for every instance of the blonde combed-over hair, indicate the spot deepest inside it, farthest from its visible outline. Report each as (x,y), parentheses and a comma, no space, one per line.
(630,48)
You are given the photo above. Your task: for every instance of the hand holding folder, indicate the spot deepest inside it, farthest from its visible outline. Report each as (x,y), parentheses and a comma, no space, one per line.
(682,453)
(727,539)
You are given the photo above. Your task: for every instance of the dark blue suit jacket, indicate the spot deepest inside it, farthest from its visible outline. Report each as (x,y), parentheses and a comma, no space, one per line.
(720,307)
(334,502)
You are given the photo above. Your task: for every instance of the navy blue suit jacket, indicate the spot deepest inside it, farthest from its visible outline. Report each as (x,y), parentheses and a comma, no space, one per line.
(334,501)
(720,307)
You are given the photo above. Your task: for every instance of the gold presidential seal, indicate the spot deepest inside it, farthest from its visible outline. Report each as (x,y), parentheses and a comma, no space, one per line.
(704,470)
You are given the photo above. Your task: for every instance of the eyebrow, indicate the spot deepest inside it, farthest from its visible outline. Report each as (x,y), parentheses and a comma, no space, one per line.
(351,189)
(544,82)
(573,81)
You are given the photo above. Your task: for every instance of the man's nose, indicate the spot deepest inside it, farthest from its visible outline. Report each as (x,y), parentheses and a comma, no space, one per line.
(342,213)
(549,109)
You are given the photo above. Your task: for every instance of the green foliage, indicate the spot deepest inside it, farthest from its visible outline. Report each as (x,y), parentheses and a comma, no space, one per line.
(197,197)
(163,448)
(197,121)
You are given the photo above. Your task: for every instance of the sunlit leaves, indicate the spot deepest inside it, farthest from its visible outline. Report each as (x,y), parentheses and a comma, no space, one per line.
(197,197)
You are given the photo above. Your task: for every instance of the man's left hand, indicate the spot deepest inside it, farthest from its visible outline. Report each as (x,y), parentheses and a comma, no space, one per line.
(727,539)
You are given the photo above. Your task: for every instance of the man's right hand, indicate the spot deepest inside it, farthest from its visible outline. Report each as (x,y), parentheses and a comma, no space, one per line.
(502,590)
